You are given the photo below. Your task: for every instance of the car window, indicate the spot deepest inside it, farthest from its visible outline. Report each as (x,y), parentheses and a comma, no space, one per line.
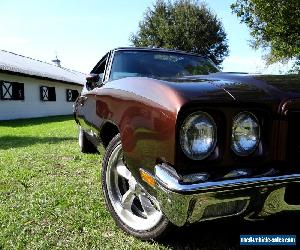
(157,64)
(101,66)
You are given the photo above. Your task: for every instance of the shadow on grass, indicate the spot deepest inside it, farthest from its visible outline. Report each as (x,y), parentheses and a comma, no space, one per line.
(35,121)
(225,233)
(7,142)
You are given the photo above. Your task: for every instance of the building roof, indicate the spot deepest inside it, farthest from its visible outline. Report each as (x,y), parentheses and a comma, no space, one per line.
(26,66)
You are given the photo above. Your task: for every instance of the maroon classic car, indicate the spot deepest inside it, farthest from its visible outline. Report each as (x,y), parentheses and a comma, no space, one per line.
(187,143)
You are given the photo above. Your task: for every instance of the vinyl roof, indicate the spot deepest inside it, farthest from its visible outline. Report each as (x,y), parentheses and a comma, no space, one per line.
(22,65)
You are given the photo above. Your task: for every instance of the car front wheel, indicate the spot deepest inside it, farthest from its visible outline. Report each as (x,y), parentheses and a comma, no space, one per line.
(133,209)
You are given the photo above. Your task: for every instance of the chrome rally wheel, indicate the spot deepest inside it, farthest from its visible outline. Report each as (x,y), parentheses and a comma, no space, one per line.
(134,210)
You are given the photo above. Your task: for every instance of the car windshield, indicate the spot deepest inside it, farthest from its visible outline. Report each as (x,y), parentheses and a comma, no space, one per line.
(158,64)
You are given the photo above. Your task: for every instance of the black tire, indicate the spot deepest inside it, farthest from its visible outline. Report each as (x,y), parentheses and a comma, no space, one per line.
(158,229)
(85,145)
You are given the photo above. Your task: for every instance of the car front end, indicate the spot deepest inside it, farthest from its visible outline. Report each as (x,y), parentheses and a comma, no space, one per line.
(232,161)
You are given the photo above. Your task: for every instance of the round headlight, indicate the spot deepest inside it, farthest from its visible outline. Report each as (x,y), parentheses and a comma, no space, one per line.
(198,135)
(245,134)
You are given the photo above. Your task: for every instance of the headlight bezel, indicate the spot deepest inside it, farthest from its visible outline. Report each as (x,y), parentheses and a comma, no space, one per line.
(255,147)
(215,135)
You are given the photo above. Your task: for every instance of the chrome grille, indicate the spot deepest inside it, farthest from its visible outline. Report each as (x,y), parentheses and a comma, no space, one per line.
(224,209)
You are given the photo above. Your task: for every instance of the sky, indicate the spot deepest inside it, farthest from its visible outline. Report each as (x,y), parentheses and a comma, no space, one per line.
(80,32)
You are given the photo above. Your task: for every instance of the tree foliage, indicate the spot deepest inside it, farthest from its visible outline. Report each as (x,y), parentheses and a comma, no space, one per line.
(184,25)
(274,25)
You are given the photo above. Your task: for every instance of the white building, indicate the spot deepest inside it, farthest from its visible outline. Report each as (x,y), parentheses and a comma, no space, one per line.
(32,88)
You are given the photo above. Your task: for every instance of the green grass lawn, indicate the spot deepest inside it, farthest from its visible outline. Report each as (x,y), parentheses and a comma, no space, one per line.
(50,197)
(50,194)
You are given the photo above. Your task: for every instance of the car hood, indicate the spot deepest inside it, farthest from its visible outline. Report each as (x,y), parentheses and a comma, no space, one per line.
(238,87)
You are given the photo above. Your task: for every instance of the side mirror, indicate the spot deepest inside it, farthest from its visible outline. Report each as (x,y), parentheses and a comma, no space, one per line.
(94,81)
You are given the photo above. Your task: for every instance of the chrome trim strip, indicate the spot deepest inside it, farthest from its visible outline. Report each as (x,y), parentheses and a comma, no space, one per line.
(166,177)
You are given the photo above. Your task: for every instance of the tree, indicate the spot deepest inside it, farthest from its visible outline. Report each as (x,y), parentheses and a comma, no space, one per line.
(274,26)
(183,25)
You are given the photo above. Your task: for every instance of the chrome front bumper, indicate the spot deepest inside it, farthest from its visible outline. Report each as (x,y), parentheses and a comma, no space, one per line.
(255,198)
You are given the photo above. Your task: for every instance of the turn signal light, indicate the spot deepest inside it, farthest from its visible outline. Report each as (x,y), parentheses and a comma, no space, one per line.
(148,178)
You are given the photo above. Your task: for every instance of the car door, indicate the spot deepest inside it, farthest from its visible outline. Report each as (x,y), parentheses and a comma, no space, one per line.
(85,106)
